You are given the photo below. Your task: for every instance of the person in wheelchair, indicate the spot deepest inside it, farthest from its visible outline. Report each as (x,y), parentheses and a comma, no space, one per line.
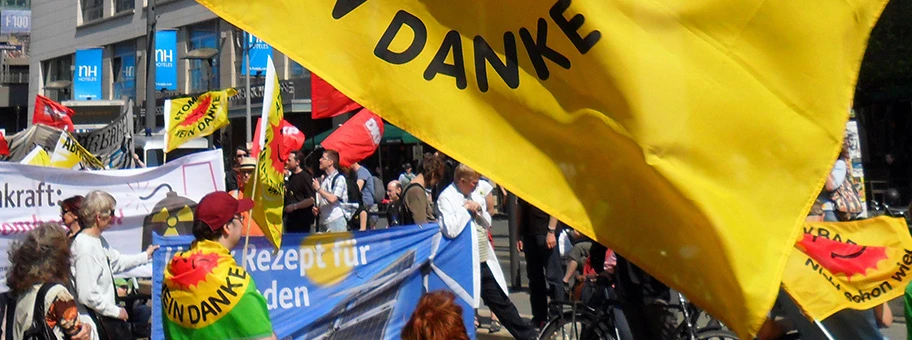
(140,314)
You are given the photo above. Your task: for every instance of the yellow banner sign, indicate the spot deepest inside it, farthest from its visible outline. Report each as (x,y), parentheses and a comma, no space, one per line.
(855,265)
(692,124)
(69,153)
(37,157)
(195,117)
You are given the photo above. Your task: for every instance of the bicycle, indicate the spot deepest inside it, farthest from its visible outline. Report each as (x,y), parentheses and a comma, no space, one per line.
(581,321)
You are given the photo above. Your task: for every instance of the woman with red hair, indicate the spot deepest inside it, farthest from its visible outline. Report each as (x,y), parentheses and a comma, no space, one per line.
(437,317)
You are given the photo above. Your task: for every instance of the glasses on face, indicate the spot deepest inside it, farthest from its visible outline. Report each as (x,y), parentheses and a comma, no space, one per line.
(241,155)
(111,213)
(64,212)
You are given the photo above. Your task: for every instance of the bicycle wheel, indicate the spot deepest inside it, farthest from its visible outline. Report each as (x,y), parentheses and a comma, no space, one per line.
(716,334)
(582,327)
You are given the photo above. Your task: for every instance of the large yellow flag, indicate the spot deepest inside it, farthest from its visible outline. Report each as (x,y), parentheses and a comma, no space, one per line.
(194,117)
(269,195)
(69,153)
(689,135)
(37,157)
(855,265)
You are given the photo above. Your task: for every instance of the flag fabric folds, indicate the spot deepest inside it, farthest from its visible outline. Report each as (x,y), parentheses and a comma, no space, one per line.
(268,191)
(206,295)
(51,113)
(327,100)
(357,138)
(706,127)
(4,146)
(858,265)
(292,140)
(69,154)
(194,117)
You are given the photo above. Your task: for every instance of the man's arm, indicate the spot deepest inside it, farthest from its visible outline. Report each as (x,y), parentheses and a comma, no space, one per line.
(327,196)
(453,216)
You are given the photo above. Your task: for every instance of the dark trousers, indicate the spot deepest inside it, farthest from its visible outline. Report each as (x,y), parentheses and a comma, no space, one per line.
(543,268)
(8,308)
(500,305)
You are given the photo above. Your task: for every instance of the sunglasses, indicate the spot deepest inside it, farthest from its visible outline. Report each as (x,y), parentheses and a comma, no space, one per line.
(64,212)
(241,156)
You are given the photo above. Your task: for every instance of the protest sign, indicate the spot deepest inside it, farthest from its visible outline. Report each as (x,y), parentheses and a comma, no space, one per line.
(361,285)
(154,198)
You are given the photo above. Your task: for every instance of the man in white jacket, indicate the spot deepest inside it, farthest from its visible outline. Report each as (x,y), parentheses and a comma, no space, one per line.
(462,211)
(94,265)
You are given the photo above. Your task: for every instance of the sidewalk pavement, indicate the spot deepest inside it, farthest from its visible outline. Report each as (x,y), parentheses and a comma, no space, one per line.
(520,298)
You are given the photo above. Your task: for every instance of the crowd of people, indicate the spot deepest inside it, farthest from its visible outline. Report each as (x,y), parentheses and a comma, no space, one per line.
(62,279)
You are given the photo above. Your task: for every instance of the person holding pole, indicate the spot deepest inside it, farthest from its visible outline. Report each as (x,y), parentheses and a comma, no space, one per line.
(194,275)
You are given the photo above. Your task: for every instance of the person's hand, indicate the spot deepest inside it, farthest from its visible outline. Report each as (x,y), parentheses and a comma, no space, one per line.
(316,185)
(85,333)
(316,210)
(472,206)
(289,208)
(550,240)
(151,250)
(123,314)
(519,245)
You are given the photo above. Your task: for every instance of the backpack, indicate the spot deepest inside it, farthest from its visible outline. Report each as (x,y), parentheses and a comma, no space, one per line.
(379,190)
(40,329)
(354,198)
(848,205)
(405,216)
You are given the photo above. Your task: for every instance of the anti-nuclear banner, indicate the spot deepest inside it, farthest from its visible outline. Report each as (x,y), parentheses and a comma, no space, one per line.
(703,108)
(112,143)
(361,285)
(160,199)
(856,265)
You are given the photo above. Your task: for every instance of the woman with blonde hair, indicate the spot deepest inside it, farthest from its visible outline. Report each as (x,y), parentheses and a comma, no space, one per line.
(43,257)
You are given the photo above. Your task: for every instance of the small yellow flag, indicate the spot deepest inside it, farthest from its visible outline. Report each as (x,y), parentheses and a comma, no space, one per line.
(689,135)
(858,265)
(69,153)
(194,117)
(37,157)
(269,198)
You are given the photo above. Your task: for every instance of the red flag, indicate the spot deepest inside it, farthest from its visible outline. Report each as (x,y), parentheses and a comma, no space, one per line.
(51,113)
(327,101)
(292,139)
(357,139)
(4,146)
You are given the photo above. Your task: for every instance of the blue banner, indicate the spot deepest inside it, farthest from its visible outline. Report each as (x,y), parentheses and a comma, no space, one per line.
(87,82)
(364,285)
(15,21)
(260,52)
(166,60)
(126,85)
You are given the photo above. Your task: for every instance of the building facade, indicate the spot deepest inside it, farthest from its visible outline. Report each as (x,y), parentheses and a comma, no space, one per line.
(205,53)
(15,27)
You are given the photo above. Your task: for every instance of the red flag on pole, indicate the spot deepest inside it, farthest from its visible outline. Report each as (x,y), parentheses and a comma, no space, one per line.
(51,113)
(292,139)
(357,139)
(4,146)
(327,101)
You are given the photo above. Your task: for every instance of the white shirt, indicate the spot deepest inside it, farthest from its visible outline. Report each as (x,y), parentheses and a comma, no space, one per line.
(94,279)
(332,211)
(453,219)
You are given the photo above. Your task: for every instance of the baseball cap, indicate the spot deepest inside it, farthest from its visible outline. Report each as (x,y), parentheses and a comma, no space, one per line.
(218,208)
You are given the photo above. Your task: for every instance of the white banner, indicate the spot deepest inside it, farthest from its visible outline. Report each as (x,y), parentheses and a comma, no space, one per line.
(160,198)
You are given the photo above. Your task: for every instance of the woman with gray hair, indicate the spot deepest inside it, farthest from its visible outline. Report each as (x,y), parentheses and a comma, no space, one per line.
(94,265)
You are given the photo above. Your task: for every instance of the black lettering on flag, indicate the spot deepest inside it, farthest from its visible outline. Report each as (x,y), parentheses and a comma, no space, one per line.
(207,309)
(343,7)
(508,71)
(194,312)
(216,301)
(571,27)
(451,42)
(538,50)
(382,50)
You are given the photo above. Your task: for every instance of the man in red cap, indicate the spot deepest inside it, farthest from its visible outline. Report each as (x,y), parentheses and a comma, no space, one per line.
(207,272)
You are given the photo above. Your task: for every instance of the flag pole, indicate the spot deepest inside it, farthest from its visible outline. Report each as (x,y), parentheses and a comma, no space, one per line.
(256,174)
(823,329)
(166,112)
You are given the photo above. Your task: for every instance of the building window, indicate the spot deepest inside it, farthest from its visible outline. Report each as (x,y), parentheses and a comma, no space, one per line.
(298,71)
(92,9)
(123,64)
(204,75)
(58,78)
(25,4)
(123,5)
